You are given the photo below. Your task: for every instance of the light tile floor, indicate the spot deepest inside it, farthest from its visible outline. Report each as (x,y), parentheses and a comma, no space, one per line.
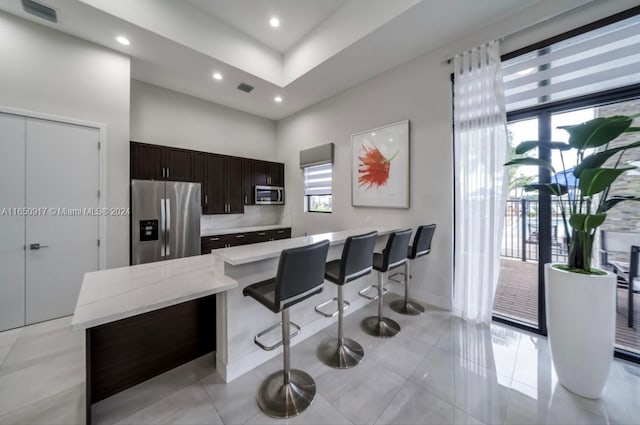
(438,370)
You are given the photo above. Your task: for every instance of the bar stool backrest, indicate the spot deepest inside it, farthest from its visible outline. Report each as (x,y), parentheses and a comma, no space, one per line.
(300,273)
(422,241)
(357,256)
(395,253)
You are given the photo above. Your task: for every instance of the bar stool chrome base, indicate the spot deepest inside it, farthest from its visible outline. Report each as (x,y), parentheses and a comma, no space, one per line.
(381,327)
(408,307)
(337,356)
(280,400)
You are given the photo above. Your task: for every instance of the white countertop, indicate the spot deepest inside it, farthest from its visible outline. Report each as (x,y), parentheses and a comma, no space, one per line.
(210,232)
(244,254)
(110,295)
(114,294)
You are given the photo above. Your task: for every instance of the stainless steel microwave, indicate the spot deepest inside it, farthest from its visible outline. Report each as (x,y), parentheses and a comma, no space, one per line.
(269,195)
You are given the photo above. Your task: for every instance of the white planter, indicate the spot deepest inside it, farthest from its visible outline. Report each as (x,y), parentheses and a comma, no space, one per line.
(581,321)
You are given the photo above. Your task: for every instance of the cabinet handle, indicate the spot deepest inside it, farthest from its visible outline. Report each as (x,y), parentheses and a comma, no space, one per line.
(168,172)
(261,233)
(162,172)
(280,231)
(246,199)
(206,199)
(239,236)
(214,239)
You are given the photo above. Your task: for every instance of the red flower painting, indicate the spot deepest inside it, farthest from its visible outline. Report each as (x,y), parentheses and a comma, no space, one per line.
(373,167)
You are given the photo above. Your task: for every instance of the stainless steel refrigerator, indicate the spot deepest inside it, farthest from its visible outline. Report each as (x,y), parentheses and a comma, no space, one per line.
(165,220)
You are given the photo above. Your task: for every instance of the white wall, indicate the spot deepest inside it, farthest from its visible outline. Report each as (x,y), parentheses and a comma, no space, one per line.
(419,91)
(53,73)
(165,117)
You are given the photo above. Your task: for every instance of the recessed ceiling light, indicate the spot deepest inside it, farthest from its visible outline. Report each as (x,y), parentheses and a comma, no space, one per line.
(278,99)
(123,40)
(217,76)
(274,22)
(373,134)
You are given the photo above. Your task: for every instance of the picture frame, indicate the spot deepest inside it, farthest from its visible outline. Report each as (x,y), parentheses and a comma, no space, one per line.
(380,166)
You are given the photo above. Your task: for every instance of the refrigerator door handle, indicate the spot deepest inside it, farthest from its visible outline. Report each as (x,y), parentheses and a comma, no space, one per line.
(163,228)
(168,234)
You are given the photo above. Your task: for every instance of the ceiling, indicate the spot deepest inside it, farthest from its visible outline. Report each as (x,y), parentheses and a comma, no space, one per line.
(321,48)
(252,17)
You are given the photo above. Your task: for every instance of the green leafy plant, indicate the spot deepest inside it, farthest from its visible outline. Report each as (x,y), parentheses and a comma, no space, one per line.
(584,211)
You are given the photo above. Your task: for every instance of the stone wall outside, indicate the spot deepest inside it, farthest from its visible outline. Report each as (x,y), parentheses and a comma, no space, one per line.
(624,217)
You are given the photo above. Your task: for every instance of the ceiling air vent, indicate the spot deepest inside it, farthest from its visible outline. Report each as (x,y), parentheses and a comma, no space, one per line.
(40,10)
(245,87)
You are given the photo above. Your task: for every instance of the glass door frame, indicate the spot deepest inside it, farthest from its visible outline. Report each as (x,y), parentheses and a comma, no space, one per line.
(544,113)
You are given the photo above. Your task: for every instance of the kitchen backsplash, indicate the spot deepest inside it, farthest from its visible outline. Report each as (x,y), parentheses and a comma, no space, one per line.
(254,215)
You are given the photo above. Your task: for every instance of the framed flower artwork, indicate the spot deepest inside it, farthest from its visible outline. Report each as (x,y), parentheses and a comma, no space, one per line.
(380,167)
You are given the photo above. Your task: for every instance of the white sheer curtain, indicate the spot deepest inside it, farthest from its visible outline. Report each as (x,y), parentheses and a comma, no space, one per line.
(480,179)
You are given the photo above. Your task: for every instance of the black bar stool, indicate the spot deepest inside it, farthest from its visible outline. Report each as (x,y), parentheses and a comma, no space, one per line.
(394,255)
(421,246)
(356,261)
(300,275)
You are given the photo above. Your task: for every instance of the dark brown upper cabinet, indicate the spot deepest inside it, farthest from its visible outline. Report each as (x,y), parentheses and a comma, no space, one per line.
(199,159)
(152,162)
(213,187)
(222,185)
(146,162)
(260,175)
(276,174)
(233,195)
(228,182)
(178,165)
(248,193)
(268,173)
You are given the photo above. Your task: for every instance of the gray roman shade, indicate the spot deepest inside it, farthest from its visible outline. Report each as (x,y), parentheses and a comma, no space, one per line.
(319,155)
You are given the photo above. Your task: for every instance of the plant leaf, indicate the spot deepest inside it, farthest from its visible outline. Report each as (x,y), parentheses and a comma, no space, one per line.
(586,222)
(615,200)
(526,146)
(548,188)
(597,159)
(596,180)
(597,132)
(532,161)
(632,129)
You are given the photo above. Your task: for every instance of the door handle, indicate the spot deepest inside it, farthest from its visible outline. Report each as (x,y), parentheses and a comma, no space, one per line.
(35,246)
(168,234)
(163,228)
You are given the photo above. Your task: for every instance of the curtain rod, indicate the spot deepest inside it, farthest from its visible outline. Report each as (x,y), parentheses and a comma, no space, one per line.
(532,26)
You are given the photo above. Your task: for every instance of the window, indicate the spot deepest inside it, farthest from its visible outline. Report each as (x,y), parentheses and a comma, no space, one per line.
(317,188)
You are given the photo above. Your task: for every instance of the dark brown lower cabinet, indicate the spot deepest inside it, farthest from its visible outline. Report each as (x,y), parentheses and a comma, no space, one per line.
(209,243)
(127,352)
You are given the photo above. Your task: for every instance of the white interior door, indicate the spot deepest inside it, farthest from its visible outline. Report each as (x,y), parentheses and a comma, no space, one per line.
(62,172)
(12,224)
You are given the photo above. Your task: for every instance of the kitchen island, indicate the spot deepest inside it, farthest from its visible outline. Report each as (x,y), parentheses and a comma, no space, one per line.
(143,320)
